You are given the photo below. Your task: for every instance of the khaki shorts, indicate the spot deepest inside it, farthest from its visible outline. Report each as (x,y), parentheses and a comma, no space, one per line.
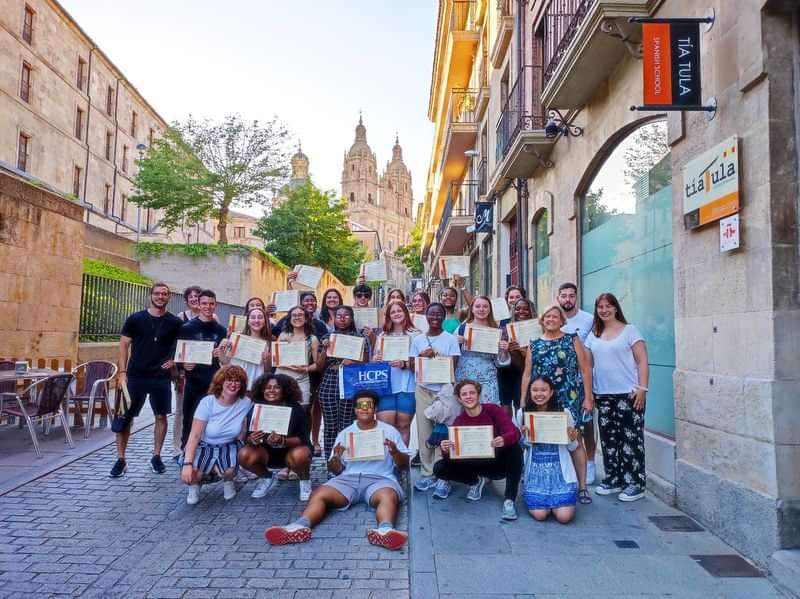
(360,487)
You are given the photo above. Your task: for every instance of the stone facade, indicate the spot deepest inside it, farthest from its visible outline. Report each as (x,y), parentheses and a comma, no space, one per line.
(240,229)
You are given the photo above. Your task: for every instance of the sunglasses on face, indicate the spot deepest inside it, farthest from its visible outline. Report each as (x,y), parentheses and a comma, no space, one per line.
(362,294)
(364,404)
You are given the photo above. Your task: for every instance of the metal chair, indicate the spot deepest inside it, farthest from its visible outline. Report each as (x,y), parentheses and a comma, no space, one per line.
(8,386)
(50,394)
(97,375)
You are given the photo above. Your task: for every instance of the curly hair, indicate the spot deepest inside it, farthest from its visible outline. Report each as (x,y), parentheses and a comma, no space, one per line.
(461,384)
(228,373)
(290,390)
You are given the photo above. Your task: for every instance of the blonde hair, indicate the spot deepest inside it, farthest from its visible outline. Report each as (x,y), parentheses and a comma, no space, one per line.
(550,307)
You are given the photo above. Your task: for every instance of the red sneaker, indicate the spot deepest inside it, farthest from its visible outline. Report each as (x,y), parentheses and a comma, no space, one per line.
(391,539)
(284,535)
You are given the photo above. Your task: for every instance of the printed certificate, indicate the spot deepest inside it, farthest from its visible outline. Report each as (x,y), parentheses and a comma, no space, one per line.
(289,353)
(374,271)
(434,370)
(308,277)
(285,300)
(451,266)
(394,347)
(420,322)
(481,339)
(471,442)
(236,323)
(500,309)
(547,427)
(346,347)
(246,348)
(363,446)
(366,317)
(194,352)
(524,331)
(270,419)
(124,401)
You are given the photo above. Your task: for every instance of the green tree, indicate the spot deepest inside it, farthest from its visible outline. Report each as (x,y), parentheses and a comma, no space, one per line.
(310,227)
(595,211)
(645,154)
(411,253)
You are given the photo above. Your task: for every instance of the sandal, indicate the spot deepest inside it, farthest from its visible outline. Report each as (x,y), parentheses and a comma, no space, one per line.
(317,450)
(583,497)
(287,474)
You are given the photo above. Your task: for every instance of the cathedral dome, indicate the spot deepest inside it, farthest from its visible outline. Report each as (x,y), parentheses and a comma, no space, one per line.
(299,167)
(360,146)
(397,156)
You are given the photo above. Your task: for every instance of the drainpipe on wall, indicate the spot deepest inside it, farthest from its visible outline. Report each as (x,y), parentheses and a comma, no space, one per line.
(522,231)
(88,123)
(116,143)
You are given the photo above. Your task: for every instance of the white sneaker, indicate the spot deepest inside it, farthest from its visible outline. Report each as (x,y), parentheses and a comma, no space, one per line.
(228,490)
(305,490)
(591,472)
(263,487)
(476,491)
(193,496)
(442,489)
(509,510)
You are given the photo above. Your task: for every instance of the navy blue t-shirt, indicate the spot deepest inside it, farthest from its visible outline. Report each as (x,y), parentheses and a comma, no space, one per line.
(197,330)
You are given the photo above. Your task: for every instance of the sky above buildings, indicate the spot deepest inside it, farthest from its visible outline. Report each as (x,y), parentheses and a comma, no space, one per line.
(314,64)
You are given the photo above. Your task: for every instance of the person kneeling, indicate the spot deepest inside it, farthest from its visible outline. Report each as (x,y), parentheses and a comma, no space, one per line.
(507,462)
(265,450)
(357,478)
(218,426)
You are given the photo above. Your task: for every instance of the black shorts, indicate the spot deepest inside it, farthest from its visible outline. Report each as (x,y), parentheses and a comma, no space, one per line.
(160,391)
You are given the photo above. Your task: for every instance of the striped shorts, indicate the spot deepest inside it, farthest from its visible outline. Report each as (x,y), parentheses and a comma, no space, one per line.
(208,456)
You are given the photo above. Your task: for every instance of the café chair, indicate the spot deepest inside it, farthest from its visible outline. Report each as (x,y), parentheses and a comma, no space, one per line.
(97,376)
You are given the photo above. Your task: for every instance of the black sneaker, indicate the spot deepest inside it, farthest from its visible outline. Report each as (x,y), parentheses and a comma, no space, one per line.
(119,468)
(415,460)
(156,465)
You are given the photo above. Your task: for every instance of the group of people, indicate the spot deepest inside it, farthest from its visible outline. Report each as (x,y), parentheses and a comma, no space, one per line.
(577,362)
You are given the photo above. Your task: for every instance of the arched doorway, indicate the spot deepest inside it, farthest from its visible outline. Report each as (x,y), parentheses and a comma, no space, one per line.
(541,260)
(626,248)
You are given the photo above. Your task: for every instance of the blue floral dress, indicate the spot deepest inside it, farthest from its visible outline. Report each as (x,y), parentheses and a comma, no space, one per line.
(556,359)
(480,367)
(543,484)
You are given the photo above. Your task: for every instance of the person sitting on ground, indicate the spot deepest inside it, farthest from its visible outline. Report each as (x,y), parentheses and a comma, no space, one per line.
(372,481)
(219,424)
(550,484)
(267,449)
(507,462)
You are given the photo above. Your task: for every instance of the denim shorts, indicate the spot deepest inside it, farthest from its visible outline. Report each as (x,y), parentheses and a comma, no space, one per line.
(398,402)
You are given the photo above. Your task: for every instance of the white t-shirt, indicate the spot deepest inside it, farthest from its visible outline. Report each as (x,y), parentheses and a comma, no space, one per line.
(223,423)
(580,324)
(384,467)
(614,369)
(443,344)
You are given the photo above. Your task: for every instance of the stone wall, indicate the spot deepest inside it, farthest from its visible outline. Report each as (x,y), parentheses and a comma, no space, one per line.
(105,246)
(41,254)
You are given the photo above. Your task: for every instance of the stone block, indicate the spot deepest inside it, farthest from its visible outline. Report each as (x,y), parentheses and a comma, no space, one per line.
(785,407)
(743,345)
(694,343)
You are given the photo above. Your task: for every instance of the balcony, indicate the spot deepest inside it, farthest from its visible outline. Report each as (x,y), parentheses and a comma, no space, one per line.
(462,130)
(481,79)
(458,214)
(504,33)
(578,54)
(464,34)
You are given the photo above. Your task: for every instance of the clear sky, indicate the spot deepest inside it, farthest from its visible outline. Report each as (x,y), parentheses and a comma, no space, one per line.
(313,63)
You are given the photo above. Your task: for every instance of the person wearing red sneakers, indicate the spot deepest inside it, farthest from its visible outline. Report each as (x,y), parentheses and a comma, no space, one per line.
(372,481)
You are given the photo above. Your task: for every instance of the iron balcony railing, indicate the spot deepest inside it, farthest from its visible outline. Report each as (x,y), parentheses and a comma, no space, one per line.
(562,19)
(461,199)
(482,178)
(462,18)
(522,111)
(463,104)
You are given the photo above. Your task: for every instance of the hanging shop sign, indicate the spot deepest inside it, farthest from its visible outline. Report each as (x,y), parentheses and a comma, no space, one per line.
(711,185)
(484,217)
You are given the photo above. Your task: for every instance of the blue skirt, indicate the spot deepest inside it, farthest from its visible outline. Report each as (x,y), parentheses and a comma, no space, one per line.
(543,485)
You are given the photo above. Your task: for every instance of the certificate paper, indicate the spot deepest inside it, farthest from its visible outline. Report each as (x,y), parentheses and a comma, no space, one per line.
(524,331)
(394,347)
(547,427)
(471,442)
(236,323)
(308,277)
(481,339)
(420,322)
(364,445)
(194,352)
(346,347)
(500,309)
(434,370)
(374,271)
(289,353)
(366,317)
(247,349)
(285,300)
(269,419)
(451,266)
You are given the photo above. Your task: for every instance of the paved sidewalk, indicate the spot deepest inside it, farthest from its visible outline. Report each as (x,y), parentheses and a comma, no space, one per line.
(78,533)
(464,550)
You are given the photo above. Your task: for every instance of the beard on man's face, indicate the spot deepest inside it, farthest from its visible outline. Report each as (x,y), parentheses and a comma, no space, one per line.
(567,305)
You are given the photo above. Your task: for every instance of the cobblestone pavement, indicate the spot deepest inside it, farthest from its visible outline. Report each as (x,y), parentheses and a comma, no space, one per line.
(76,532)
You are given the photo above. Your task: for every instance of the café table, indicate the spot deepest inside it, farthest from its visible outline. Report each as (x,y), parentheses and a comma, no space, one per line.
(32,374)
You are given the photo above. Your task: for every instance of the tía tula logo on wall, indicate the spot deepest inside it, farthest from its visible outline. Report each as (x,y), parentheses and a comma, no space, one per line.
(711,185)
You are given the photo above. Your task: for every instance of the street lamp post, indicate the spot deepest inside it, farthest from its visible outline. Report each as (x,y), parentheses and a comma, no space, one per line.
(141,148)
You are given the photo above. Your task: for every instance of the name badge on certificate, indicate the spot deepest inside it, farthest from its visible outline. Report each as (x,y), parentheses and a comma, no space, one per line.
(420,322)
(289,353)
(246,348)
(482,339)
(471,442)
(364,446)
(500,309)
(394,347)
(285,300)
(236,323)
(194,352)
(374,272)
(346,347)
(366,317)
(523,331)
(270,419)
(547,427)
(308,277)
(434,370)
(453,266)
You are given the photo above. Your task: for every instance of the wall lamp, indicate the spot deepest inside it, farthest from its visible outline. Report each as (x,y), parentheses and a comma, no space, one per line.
(557,124)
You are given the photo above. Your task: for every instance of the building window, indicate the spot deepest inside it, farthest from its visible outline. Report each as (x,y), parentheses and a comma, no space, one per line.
(81,74)
(25,82)
(150,137)
(238,232)
(110,101)
(22,152)
(109,144)
(27,25)
(134,118)
(107,199)
(369,198)
(148,219)
(352,197)
(76,182)
(79,123)
(124,159)
(541,258)
(123,208)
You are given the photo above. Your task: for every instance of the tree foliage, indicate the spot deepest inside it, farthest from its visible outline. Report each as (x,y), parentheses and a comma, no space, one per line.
(595,211)
(411,253)
(647,149)
(310,227)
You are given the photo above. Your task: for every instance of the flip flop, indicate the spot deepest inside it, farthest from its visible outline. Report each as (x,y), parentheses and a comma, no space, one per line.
(583,497)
